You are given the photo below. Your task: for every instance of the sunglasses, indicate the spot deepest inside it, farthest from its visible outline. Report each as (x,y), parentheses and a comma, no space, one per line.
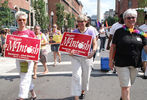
(80,21)
(22,20)
(131,18)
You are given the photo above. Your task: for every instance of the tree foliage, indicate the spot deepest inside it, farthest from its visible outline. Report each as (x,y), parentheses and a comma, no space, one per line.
(40,14)
(141,12)
(60,15)
(111,20)
(142,3)
(6,17)
(70,20)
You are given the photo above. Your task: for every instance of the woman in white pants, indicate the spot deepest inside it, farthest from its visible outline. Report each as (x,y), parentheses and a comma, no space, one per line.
(82,65)
(25,67)
(26,84)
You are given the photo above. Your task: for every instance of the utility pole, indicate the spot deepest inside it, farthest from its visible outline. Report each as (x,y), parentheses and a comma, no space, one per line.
(98,10)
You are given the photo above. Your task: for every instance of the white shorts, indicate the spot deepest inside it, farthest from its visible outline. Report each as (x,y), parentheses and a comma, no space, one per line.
(126,75)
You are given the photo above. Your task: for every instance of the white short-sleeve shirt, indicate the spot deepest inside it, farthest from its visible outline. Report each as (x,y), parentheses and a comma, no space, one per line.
(94,29)
(143,28)
(114,27)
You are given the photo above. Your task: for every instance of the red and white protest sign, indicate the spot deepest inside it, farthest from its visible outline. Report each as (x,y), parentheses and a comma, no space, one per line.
(80,43)
(22,47)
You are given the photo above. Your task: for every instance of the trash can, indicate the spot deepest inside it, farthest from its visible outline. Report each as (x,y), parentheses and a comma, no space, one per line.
(105,64)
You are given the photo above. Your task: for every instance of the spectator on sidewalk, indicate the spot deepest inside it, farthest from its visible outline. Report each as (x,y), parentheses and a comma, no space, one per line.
(125,52)
(43,51)
(144,54)
(3,38)
(81,66)
(25,67)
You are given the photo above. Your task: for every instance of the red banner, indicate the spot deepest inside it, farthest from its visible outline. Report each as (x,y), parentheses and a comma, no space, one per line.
(80,43)
(22,47)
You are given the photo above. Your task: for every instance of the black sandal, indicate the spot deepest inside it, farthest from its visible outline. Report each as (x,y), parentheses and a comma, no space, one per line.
(82,96)
(33,98)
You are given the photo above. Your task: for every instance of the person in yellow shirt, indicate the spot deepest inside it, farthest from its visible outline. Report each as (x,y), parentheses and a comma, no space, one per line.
(43,51)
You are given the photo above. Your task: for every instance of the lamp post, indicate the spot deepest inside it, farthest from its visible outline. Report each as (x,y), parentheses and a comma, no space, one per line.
(145,10)
(52,14)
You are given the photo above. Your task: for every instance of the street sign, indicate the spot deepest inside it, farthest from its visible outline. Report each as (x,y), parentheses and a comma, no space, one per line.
(79,43)
(22,47)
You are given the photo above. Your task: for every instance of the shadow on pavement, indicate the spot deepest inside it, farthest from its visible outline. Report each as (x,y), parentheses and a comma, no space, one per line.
(9,78)
(99,73)
(68,98)
(95,73)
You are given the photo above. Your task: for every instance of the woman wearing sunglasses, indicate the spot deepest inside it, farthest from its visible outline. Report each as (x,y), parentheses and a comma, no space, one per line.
(81,66)
(26,75)
(125,52)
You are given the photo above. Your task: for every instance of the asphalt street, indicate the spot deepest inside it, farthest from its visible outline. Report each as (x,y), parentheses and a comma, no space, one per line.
(56,85)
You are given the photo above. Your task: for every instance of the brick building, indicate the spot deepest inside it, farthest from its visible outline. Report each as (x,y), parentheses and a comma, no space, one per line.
(70,6)
(23,5)
(122,5)
(26,6)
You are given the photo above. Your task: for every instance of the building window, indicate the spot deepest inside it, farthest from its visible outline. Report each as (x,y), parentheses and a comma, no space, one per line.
(46,7)
(31,3)
(32,19)
(130,3)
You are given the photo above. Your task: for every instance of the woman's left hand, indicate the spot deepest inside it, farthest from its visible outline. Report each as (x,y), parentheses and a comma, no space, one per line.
(90,55)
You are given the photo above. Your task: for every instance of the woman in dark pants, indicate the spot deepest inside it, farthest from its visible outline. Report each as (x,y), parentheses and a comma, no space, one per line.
(102,37)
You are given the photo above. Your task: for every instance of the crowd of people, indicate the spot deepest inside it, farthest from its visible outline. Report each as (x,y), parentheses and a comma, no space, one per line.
(128,52)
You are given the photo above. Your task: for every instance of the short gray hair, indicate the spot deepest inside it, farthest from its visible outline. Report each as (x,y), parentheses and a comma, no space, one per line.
(82,18)
(20,13)
(130,12)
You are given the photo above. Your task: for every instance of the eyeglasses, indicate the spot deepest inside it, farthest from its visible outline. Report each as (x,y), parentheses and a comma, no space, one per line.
(22,20)
(54,26)
(131,18)
(80,21)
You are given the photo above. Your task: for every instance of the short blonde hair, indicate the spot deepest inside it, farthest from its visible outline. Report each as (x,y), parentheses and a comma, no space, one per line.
(130,12)
(55,25)
(20,13)
(82,18)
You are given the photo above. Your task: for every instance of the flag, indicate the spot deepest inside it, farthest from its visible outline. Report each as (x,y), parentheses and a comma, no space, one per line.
(106,23)
(98,24)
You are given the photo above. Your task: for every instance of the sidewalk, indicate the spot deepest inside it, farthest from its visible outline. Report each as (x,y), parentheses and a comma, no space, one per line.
(6,64)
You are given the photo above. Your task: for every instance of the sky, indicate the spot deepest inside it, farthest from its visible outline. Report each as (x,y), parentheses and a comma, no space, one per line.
(90,6)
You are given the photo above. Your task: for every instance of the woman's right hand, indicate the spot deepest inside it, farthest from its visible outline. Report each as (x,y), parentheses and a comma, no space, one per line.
(111,64)
(71,53)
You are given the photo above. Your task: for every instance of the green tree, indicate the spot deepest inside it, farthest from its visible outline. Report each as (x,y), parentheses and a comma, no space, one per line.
(60,15)
(141,4)
(70,21)
(6,16)
(111,20)
(40,15)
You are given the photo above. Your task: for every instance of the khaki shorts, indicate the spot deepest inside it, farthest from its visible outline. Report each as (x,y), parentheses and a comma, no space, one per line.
(126,75)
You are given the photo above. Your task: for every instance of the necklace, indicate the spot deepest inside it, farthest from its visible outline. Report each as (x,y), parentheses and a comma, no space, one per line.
(131,30)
